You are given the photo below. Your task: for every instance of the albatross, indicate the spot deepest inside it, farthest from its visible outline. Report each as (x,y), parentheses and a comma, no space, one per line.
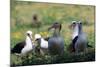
(79,38)
(24,47)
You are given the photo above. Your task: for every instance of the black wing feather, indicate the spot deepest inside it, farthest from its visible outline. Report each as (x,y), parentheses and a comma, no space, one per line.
(72,45)
(18,47)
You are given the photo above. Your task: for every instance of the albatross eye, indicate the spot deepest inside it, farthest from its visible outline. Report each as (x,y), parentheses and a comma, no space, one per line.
(80,23)
(74,23)
(28,34)
(36,39)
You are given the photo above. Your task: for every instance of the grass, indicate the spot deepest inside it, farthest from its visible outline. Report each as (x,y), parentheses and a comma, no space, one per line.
(21,21)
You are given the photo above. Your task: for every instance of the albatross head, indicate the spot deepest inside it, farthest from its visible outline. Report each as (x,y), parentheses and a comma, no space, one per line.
(75,28)
(80,24)
(37,36)
(73,24)
(29,34)
(55,25)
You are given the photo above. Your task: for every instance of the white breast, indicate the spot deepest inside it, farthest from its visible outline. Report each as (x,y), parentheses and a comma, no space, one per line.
(28,47)
(75,32)
(44,44)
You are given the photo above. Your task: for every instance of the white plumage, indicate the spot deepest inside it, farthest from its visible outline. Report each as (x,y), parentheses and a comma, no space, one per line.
(44,43)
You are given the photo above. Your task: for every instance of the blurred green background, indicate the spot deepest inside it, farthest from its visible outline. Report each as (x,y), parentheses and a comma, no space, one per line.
(47,13)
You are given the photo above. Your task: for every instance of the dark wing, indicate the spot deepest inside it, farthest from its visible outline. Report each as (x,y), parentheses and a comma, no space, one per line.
(74,40)
(18,47)
(72,45)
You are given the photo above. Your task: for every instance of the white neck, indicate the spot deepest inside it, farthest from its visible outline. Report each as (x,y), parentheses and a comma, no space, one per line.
(75,33)
(28,41)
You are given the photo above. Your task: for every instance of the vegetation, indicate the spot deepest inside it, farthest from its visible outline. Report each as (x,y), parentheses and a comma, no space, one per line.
(21,21)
